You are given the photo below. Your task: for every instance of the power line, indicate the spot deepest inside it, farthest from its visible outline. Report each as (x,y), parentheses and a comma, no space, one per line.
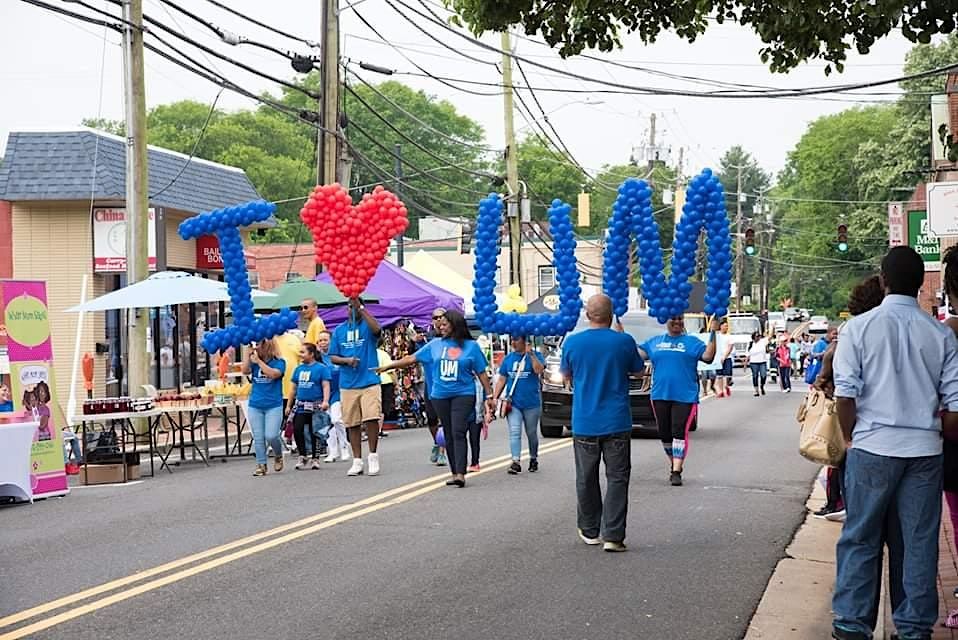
(309,43)
(196,144)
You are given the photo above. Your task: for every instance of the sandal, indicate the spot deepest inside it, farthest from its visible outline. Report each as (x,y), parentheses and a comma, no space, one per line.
(952,620)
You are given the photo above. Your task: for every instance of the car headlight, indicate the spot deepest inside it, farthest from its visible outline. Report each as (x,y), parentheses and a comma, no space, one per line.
(555,376)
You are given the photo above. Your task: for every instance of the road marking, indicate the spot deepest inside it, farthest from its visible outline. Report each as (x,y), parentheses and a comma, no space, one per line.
(338,516)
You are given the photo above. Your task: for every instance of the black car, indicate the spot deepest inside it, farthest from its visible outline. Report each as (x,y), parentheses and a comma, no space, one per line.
(557,400)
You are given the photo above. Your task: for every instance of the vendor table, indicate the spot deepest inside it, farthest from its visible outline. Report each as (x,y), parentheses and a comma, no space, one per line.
(233,414)
(16,442)
(124,421)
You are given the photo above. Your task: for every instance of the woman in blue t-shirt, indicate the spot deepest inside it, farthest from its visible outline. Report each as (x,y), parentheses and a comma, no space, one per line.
(265,411)
(519,378)
(311,381)
(675,390)
(451,361)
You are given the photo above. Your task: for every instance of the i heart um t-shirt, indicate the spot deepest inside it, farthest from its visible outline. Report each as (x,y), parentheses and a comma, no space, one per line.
(674,367)
(267,392)
(451,367)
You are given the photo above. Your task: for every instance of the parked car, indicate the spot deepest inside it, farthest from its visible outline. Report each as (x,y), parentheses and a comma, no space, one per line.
(741,327)
(818,324)
(793,314)
(557,399)
(806,314)
(776,322)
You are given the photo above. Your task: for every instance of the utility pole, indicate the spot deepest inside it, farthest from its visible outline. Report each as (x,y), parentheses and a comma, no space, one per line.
(512,165)
(137,195)
(400,240)
(327,147)
(651,141)
(739,257)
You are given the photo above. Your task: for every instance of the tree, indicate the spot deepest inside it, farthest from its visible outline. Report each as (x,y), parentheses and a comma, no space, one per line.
(793,31)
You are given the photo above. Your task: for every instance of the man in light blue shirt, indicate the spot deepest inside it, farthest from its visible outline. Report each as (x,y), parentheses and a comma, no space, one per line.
(895,368)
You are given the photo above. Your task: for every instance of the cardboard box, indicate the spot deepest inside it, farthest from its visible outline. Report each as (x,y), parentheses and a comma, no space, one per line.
(107,473)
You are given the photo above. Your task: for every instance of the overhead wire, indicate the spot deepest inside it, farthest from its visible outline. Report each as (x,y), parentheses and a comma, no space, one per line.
(309,43)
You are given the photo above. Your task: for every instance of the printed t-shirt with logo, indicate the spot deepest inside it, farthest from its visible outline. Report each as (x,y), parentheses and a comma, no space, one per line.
(599,362)
(308,379)
(355,340)
(267,393)
(451,368)
(525,393)
(674,361)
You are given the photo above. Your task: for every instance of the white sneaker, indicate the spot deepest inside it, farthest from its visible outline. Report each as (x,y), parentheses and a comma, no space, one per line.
(586,539)
(836,516)
(614,547)
(357,468)
(301,464)
(345,454)
(373,464)
(330,458)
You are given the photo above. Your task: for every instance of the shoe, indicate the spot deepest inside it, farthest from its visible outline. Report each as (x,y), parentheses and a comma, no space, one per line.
(533,465)
(279,462)
(302,463)
(763,391)
(514,468)
(675,479)
(260,470)
(824,511)
(441,460)
(345,454)
(330,458)
(473,468)
(357,468)
(842,634)
(373,464)
(586,539)
(756,393)
(434,456)
(456,482)
(316,464)
(836,516)
(614,547)
(323,450)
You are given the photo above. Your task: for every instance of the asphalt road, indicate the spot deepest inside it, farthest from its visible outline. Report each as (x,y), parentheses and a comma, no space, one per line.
(497,559)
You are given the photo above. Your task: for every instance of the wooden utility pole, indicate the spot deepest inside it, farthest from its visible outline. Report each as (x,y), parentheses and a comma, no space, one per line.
(327,147)
(739,254)
(512,165)
(137,195)
(652,141)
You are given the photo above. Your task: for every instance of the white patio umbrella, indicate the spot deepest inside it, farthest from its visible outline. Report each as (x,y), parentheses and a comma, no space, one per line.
(160,290)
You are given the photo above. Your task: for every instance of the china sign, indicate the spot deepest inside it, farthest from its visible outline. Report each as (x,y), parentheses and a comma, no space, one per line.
(922,240)
(109,240)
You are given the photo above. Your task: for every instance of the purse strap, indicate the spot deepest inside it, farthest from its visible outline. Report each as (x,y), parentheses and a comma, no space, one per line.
(518,370)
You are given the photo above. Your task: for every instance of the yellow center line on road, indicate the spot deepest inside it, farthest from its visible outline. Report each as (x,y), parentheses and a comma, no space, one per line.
(337,516)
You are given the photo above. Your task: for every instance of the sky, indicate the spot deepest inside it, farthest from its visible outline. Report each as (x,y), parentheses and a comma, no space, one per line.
(52,69)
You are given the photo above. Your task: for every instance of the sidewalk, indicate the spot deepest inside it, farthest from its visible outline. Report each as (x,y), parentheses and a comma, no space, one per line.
(797,600)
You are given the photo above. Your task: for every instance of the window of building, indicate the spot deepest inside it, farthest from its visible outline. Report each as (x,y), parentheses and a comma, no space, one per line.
(547,279)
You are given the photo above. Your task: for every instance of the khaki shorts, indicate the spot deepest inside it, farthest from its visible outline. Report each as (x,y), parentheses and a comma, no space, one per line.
(361,405)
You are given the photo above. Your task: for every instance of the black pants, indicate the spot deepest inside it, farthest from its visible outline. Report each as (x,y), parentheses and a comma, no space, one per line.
(454,416)
(301,422)
(595,516)
(475,430)
(674,420)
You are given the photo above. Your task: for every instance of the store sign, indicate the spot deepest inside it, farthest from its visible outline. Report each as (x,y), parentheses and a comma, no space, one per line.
(896,224)
(208,253)
(943,208)
(109,240)
(922,240)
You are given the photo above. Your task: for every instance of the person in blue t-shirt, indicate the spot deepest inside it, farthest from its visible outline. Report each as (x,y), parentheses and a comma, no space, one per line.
(675,392)
(6,399)
(451,361)
(353,347)
(519,376)
(265,412)
(599,362)
(312,392)
(329,425)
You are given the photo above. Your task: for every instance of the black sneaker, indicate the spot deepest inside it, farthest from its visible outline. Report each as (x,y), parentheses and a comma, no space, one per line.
(824,511)
(841,634)
(675,478)
(533,465)
(514,468)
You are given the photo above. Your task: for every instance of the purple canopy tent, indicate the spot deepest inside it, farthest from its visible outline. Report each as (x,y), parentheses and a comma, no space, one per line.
(401,294)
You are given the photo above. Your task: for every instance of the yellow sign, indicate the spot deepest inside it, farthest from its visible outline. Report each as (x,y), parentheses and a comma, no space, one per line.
(26,320)
(584,214)
(844,315)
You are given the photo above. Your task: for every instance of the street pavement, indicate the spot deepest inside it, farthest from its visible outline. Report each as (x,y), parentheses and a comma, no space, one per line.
(403,556)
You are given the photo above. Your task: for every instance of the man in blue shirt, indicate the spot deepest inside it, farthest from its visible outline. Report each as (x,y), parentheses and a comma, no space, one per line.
(599,361)
(895,368)
(353,347)
(675,392)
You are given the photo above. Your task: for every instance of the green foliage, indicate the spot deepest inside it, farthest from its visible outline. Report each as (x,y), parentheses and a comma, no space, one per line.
(793,31)
(547,175)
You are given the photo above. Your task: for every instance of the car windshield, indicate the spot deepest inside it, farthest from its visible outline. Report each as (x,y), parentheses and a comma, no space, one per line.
(639,325)
(819,319)
(744,325)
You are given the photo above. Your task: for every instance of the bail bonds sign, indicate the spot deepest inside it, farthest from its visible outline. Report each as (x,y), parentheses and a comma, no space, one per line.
(922,240)
(109,240)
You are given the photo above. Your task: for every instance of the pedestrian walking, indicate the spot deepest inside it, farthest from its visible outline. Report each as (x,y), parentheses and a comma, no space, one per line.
(795,354)
(783,359)
(675,394)
(353,348)
(518,390)
(337,442)
(265,410)
(895,367)
(451,362)
(599,362)
(437,455)
(758,362)
(478,422)
(723,353)
(312,392)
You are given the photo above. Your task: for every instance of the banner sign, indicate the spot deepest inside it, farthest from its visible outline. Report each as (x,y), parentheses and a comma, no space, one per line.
(30,384)
(922,240)
(896,224)
(208,253)
(109,240)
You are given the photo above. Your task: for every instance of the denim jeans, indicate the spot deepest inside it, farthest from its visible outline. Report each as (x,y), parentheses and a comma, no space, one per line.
(759,373)
(266,426)
(320,427)
(785,377)
(875,486)
(530,418)
(595,516)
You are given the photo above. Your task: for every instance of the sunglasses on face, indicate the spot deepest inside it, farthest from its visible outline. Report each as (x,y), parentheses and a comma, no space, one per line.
(437,317)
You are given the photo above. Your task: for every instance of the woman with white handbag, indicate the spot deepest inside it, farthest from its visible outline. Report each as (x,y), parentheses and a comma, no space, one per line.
(519,376)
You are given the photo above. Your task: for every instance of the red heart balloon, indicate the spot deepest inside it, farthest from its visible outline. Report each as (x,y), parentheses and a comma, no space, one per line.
(350,240)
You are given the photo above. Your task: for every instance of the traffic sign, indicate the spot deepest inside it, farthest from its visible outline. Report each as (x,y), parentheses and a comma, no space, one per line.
(943,208)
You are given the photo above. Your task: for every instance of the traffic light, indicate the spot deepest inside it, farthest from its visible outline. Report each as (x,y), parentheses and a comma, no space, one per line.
(750,241)
(843,238)
(465,237)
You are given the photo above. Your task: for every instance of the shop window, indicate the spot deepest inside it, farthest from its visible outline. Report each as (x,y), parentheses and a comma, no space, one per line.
(292,275)
(254,279)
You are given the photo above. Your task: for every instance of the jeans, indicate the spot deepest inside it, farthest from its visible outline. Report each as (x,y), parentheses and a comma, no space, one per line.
(596,517)
(875,486)
(785,377)
(759,372)
(266,425)
(454,416)
(530,418)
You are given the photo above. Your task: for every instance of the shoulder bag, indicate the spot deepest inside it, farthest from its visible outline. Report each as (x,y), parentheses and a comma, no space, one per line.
(506,407)
(821,438)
